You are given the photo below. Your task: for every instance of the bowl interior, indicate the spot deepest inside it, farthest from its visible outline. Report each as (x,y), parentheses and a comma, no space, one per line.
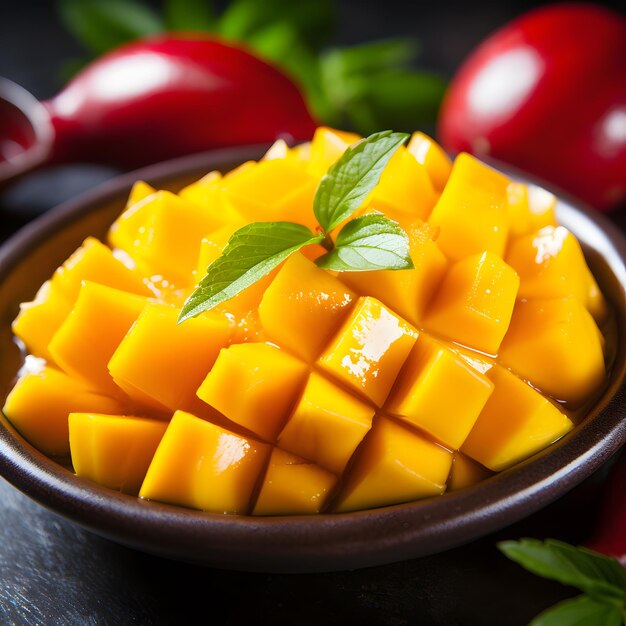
(295,543)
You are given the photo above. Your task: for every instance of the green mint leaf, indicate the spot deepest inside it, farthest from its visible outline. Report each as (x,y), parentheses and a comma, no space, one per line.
(252,252)
(351,179)
(190,15)
(599,576)
(104,24)
(369,242)
(581,611)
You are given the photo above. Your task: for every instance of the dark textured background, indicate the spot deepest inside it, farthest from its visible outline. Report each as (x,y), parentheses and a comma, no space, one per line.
(52,572)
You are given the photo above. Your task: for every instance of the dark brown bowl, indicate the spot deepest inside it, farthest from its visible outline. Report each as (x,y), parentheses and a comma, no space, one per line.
(299,543)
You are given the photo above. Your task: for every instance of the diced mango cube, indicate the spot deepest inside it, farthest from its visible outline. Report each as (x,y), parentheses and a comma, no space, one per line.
(394,465)
(203,466)
(38,320)
(404,191)
(407,292)
(465,472)
(166,361)
(551,264)
(369,349)
(326,148)
(529,208)
(113,450)
(326,425)
(39,404)
(471,210)
(431,155)
(517,421)
(140,191)
(439,392)
(96,262)
(293,486)
(567,364)
(255,385)
(475,302)
(303,307)
(90,334)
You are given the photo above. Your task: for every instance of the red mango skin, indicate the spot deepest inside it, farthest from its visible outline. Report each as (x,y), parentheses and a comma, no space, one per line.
(610,532)
(547,94)
(168,96)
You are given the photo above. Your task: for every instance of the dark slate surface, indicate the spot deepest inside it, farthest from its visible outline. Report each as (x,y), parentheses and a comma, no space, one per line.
(53,572)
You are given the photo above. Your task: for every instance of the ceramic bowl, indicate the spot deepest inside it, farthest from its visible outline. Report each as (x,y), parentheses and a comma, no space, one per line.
(298,543)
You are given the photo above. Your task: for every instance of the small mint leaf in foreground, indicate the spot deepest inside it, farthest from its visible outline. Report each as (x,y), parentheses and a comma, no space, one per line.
(352,178)
(369,242)
(581,611)
(252,252)
(599,576)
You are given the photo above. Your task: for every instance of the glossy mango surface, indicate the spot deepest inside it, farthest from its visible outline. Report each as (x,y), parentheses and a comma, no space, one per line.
(313,391)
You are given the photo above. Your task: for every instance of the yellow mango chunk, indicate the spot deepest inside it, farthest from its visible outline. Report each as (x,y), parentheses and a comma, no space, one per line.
(326,148)
(273,191)
(529,208)
(95,262)
(90,334)
(475,302)
(404,191)
(551,264)
(471,210)
(293,486)
(596,303)
(114,450)
(167,240)
(439,392)
(407,292)
(327,425)
(369,349)
(465,472)
(203,466)
(39,404)
(303,307)
(166,361)
(568,364)
(394,465)
(517,421)
(140,190)
(430,154)
(254,385)
(38,320)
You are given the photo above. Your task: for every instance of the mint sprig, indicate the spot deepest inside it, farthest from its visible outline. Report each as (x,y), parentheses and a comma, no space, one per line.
(601,579)
(369,242)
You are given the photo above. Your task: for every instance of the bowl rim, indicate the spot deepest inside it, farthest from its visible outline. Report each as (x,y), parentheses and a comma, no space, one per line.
(322,542)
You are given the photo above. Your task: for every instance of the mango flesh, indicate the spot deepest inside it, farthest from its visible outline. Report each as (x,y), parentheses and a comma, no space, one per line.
(314,391)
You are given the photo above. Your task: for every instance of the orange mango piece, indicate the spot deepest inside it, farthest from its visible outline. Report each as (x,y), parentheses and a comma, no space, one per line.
(303,307)
(529,208)
(114,450)
(394,465)
(203,466)
(326,425)
(161,362)
(471,210)
(95,262)
(407,292)
(87,339)
(551,264)
(432,157)
(517,422)
(326,148)
(140,191)
(293,486)
(255,385)
(404,191)
(39,404)
(439,392)
(567,365)
(38,320)
(475,302)
(369,349)
(465,472)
